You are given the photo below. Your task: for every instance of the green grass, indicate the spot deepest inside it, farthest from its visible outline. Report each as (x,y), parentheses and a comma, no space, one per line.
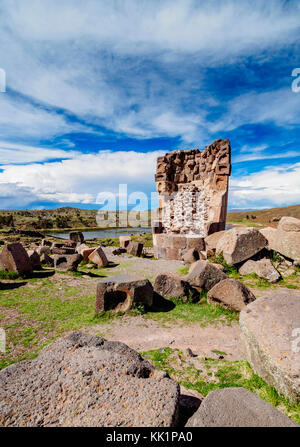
(202,312)
(211,374)
(9,275)
(183,271)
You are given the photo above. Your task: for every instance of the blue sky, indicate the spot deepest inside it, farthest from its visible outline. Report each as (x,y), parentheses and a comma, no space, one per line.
(97,90)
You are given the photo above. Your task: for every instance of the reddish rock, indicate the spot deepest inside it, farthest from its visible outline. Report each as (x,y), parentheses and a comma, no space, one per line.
(231,294)
(98,257)
(212,240)
(14,258)
(34,259)
(135,248)
(77,236)
(191,256)
(204,275)
(288,223)
(169,285)
(124,241)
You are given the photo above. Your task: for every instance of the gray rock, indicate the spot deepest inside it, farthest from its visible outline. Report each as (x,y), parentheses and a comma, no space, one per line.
(237,407)
(204,275)
(46,259)
(34,259)
(268,328)
(135,248)
(98,257)
(124,241)
(120,293)
(288,223)
(287,243)
(231,294)
(240,244)
(263,268)
(14,258)
(170,285)
(190,256)
(83,380)
(212,240)
(76,236)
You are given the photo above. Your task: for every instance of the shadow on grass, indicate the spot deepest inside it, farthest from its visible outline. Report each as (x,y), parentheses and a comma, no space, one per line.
(11,285)
(41,274)
(160,304)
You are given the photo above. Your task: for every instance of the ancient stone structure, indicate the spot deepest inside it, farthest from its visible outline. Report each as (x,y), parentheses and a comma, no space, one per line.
(192,186)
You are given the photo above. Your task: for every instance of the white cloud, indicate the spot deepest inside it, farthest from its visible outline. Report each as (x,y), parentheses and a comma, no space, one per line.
(274,186)
(11,153)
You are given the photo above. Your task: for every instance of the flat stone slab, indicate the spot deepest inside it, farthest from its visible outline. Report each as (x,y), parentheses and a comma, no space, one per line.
(237,407)
(270,327)
(121,292)
(86,381)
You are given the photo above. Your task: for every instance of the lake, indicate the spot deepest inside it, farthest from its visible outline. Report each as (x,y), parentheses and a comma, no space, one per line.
(109,232)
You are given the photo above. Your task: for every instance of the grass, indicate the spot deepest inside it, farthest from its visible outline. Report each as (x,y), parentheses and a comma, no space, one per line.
(210,374)
(201,312)
(183,271)
(9,275)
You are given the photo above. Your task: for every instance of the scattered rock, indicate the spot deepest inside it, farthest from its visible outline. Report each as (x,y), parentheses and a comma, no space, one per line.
(44,249)
(212,240)
(46,259)
(63,251)
(34,259)
(98,257)
(119,251)
(240,244)
(169,285)
(204,275)
(231,294)
(76,236)
(237,407)
(73,262)
(122,292)
(85,251)
(288,223)
(287,243)
(46,243)
(263,268)
(83,380)
(135,248)
(14,258)
(124,241)
(268,328)
(191,256)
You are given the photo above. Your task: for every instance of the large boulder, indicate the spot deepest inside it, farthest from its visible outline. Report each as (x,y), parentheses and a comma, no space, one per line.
(288,223)
(237,407)
(82,380)
(231,294)
(98,257)
(77,236)
(191,256)
(169,285)
(14,258)
(121,293)
(204,275)
(240,244)
(85,251)
(212,240)
(34,259)
(263,268)
(67,262)
(287,243)
(124,241)
(135,248)
(268,328)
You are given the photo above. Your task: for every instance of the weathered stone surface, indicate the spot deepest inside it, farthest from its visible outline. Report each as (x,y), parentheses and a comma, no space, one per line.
(60,262)
(288,223)
(14,258)
(70,244)
(212,240)
(124,241)
(231,294)
(135,248)
(119,251)
(76,236)
(85,251)
(47,243)
(44,249)
(63,251)
(267,327)
(120,293)
(169,285)
(34,259)
(83,380)
(286,243)
(263,268)
(240,244)
(73,262)
(98,257)
(204,275)
(191,256)
(237,407)
(46,259)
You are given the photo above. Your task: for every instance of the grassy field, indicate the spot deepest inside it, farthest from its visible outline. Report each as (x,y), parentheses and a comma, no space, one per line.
(262,217)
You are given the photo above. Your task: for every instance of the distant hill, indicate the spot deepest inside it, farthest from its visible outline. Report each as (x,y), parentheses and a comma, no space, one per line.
(268,217)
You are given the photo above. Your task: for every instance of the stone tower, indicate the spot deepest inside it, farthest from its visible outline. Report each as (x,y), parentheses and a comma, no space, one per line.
(192,188)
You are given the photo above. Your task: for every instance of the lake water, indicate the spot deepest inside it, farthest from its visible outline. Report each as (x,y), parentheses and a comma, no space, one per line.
(110,232)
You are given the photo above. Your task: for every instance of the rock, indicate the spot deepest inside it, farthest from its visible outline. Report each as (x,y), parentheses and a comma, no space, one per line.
(263,268)
(287,243)
(231,294)
(34,259)
(120,293)
(240,244)
(46,259)
(169,285)
(237,407)
(124,241)
(267,327)
(288,272)
(73,262)
(63,251)
(135,248)
(76,236)
(119,251)
(204,275)
(60,262)
(212,240)
(190,256)
(98,257)
(44,249)
(70,244)
(14,258)
(85,251)
(86,381)
(287,223)
(46,243)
